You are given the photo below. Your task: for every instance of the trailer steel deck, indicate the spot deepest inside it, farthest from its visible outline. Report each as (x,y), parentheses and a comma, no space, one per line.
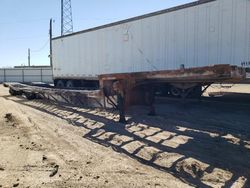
(87,98)
(122,90)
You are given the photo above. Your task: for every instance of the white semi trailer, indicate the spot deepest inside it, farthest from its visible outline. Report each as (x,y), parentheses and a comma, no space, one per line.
(195,35)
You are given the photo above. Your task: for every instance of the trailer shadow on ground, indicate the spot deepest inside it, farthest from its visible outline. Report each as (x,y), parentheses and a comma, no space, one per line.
(202,144)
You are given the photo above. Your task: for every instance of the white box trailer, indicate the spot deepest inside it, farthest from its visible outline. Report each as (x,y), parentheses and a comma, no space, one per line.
(26,74)
(197,34)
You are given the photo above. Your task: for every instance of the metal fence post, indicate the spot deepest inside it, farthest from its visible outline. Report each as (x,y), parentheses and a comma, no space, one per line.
(41,75)
(4,75)
(23,75)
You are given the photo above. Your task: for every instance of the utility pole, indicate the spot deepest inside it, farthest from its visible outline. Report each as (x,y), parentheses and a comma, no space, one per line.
(66,17)
(50,41)
(29,57)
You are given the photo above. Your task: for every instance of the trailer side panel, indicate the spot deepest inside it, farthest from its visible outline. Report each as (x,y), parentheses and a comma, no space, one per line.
(216,32)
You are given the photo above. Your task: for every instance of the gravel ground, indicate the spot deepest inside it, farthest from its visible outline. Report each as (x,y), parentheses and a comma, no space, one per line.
(188,144)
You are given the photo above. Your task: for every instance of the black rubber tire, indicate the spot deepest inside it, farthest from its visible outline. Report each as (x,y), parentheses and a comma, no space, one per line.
(70,84)
(30,96)
(175,92)
(5,85)
(14,92)
(60,84)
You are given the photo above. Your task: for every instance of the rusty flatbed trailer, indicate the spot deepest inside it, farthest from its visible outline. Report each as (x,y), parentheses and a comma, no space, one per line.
(182,79)
(87,98)
(141,87)
(199,74)
(123,90)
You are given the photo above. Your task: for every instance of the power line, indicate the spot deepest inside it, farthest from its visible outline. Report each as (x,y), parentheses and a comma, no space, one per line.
(24,21)
(41,48)
(22,38)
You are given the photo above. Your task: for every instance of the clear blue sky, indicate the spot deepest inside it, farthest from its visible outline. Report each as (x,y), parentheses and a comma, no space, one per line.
(25,23)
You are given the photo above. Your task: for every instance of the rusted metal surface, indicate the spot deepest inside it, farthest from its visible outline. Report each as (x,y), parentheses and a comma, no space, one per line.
(200,74)
(136,85)
(86,98)
(210,74)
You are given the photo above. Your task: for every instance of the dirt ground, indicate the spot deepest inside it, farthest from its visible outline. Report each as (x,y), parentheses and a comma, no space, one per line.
(188,144)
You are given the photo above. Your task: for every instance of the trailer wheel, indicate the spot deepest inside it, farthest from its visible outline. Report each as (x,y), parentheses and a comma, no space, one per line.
(69,84)
(60,84)
(14,92)
(30,96)
(175,92)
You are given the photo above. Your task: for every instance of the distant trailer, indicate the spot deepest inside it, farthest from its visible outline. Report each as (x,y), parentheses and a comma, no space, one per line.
(26,74)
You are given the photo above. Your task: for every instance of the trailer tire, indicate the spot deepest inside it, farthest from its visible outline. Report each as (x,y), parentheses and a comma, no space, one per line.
(176,92)
(70,84)
(5,85)
(30,96)
(14,92)
(60,84)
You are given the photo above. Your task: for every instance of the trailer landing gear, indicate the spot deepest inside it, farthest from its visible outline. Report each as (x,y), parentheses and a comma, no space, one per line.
(121,108)
(150,99)
(120,93)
